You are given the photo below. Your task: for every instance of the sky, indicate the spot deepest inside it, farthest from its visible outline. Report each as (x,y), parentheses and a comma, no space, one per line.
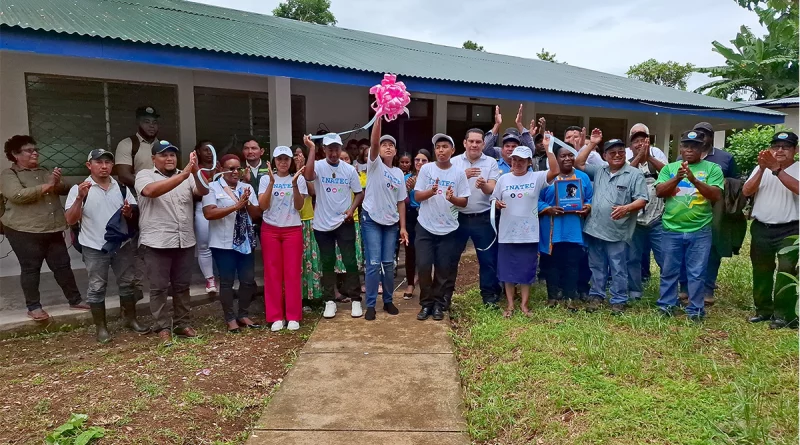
(605,35)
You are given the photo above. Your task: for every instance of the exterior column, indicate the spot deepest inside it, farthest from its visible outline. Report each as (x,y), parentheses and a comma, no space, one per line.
(187,130)
(280,112)
(440,114)
(719,139)
(664,132)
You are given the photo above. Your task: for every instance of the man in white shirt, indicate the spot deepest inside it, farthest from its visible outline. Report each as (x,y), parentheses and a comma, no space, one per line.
(474,219)
(440,189)
(166,202)
(92,204)
(774,188)
(133,155)
(339,194)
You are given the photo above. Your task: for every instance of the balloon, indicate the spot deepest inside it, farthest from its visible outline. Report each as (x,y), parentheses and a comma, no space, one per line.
(391,98)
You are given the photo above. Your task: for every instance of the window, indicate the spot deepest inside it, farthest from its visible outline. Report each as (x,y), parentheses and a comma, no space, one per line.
(463,116)
(558,124)
(227,117)
(611,128)
(69,117)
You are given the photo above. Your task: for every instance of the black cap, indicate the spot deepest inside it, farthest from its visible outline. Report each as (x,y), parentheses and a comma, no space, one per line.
(162,146)
(538,138)
(704,126)
(690,136)
(99,153)
(785,136)
(512,130)
(511,137)
(612,143)
(638,134)
(147,111)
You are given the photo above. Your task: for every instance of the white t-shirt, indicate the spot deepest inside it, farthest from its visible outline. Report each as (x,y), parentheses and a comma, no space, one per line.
(281,211)
(220,231)
(519,221)
(773,203)
(361,168)
(100,206)
(334,187)
(654,152)
(479,202)
(436,214)
(385,188)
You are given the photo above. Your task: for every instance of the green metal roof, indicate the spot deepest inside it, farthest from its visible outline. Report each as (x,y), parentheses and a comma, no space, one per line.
(193,25)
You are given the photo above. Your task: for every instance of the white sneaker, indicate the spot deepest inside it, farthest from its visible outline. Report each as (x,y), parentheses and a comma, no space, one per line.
(330,309)
(277,326)
(293,326)
(211,285)
(356,311)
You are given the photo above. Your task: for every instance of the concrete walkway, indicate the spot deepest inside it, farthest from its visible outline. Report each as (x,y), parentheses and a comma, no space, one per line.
(389,381)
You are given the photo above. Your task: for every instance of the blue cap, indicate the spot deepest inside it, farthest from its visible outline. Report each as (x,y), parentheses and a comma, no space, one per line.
(162,146)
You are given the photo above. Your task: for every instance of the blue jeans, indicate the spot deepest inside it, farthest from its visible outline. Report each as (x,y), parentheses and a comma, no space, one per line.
(712,272)
(97,265)
(641,236)
(605,256)
(479,228)
(689,250)
(379,248)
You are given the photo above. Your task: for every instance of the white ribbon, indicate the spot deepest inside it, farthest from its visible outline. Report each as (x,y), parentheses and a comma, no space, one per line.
(200,176)
(367,125)
(492,213)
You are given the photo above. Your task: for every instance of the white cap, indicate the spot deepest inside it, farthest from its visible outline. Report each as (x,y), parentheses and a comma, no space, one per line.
(282,150)
(388,137)
(438,136)
(522,152)
(331,138)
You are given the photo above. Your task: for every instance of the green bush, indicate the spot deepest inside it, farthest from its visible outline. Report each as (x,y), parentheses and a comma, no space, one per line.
(744,145)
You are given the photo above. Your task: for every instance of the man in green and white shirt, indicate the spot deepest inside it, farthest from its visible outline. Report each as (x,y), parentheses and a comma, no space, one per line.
(689,187)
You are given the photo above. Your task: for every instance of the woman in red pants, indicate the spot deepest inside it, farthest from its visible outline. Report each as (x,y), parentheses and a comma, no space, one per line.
(281,196)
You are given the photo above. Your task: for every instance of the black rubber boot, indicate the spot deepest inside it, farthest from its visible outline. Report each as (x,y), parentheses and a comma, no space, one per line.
(99,317)
(128,308)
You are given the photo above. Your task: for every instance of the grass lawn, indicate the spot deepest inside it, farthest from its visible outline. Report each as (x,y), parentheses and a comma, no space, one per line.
(559,378)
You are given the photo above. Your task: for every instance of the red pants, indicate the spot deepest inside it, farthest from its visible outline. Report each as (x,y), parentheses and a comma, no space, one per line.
(282,248)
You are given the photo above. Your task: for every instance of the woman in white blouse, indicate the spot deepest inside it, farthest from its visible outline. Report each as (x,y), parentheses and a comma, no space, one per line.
(281,196)
(230,207)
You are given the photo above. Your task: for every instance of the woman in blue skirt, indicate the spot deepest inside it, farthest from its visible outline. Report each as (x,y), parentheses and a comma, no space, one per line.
(517,194)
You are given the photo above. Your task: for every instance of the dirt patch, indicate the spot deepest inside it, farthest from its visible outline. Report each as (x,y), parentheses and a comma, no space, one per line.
(196,391)
(468,276)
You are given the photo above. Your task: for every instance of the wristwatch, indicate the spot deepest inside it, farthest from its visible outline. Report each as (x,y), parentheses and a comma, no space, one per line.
(777,172)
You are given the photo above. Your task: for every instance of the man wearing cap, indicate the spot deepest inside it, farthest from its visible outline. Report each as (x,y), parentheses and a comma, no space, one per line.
(134,154)
(727,163)
(512,138)
(339,194)
(92,204)
(474,219)
(647,233)
(620,193)
(166,201)
(688,187)
(440,190)
(654,153)
(773,184)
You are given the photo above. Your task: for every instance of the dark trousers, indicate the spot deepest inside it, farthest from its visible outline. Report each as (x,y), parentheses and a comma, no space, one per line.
(561,271)
(584,273)
(437,263)
(165,267)
(34,248)
(411,250)
(767,240)
(231,263)
(479,228)
(345,237)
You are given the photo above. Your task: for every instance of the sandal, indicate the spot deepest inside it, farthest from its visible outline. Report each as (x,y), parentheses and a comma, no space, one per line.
(508,313)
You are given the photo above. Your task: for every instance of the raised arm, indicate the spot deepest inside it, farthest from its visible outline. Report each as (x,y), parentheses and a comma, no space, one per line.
(158,188)
(583,154)
(374,140)
(552,162)
(309,173)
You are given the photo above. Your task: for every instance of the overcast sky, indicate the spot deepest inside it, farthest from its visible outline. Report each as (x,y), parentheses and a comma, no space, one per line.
(607,35)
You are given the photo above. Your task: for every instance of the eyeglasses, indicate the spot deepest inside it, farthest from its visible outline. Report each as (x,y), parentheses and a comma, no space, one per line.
(615,154)
(781,147)
(29,151)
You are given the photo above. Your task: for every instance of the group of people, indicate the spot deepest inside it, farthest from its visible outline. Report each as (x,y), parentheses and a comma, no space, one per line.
(583,215)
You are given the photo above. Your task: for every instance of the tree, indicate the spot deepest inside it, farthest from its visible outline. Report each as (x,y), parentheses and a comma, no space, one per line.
(745,144)
(669,74)
(547,56)
(311,11)
(469,44)
(759,67)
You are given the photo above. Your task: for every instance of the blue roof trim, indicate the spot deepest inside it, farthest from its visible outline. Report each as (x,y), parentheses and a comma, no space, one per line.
(51,43)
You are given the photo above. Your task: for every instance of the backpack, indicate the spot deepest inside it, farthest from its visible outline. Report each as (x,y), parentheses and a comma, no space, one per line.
(75,229)
(134,147)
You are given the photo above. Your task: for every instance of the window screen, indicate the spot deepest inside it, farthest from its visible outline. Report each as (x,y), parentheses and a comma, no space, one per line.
(69,117)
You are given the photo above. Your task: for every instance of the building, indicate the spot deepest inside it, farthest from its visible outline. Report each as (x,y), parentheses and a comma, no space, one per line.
(73,72)
(786,105)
